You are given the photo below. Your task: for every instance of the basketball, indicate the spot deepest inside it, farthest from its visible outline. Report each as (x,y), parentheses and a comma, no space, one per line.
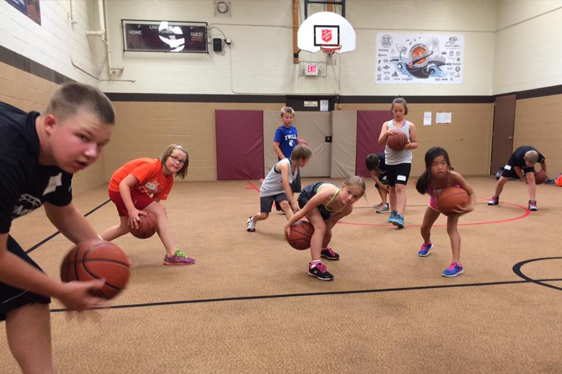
(540,176)
(301,141)
(97,259)
(147,226)
(301,232)
(397,141)
(452,198)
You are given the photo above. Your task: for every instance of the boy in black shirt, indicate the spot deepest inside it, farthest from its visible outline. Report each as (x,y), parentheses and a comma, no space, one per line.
(38,155)
(376,165)
(521,165)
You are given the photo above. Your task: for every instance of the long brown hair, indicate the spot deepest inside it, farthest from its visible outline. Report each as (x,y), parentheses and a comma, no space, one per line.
(168,152)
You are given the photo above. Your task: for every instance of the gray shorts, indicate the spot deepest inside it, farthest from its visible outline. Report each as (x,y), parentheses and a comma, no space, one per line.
(266,202)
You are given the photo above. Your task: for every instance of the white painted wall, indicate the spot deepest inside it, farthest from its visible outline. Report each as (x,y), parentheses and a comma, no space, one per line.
(50,44)
(260,59)
(528,45)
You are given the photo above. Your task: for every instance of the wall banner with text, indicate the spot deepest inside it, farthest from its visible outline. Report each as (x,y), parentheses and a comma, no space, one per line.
(414,58)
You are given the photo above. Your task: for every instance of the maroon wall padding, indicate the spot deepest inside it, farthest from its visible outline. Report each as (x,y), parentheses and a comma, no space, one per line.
(369,124)
(239,144)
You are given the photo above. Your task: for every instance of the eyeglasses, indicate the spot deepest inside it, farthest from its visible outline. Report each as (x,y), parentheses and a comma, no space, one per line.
(178,160)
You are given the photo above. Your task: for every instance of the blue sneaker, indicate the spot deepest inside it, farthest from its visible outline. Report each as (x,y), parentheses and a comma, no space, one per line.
(398,221)
(424,250)
(392,216)
(453,270)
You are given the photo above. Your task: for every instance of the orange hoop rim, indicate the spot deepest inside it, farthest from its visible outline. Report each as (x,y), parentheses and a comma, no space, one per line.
(330,48)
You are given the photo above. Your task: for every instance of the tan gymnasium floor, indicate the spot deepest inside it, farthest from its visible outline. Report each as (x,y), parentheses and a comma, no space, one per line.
(248,305)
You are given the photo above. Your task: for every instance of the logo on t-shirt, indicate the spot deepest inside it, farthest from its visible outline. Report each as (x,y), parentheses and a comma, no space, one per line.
(26,204)
(54,182)
(149,188)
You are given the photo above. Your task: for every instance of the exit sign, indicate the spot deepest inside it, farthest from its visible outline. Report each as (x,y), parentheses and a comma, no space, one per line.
(311,69)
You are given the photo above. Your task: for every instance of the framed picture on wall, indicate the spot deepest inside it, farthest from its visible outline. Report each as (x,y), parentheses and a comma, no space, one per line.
(31,8)
(164,36)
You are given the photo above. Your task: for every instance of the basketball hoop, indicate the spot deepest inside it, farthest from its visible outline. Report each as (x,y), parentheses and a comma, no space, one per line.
(329,50)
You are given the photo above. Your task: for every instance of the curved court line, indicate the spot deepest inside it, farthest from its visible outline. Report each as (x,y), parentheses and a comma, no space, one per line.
(517,270)
(310,294)
(253,186)
(526,213)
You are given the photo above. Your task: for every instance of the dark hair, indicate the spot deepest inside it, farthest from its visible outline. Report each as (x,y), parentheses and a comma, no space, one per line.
(400,100)
(168,152)
(423,183)
(71,97)
(372,161)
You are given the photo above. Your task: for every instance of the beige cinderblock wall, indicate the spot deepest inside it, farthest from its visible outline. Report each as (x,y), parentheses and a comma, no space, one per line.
(145,129)
(538,122)
(467,139)
(29,92)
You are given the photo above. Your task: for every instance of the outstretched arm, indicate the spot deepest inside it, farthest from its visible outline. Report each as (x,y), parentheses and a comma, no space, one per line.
(284,168)
(70,222)
(320,198)
(125,190)
(384,134)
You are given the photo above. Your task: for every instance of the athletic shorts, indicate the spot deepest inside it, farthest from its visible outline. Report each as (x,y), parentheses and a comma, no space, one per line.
(12,298)
(305,197)
(398,174)
(140,201)
(266,202)
(509,171)
(384,181)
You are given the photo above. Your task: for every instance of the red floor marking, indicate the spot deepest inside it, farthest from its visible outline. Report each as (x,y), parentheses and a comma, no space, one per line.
(252,187)
(524,215)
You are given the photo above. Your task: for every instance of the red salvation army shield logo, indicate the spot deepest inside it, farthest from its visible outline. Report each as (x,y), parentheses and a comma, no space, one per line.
(326,35)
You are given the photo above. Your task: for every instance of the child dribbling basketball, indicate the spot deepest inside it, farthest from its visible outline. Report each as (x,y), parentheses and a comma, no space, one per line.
(140,185)
(324,204)
(277,186)
(398,163)
(436,177)
(39,153)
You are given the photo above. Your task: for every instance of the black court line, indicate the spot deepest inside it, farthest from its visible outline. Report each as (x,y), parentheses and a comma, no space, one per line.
(312,294)
(58,232)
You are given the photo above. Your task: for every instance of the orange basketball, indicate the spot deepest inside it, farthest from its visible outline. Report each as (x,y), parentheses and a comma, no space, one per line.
(540,176)
(450,199)
(397,141)
(97,259)
(147,226)
(301,232)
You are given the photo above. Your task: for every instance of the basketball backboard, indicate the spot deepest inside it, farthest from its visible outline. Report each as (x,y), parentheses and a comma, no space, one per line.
(326,28)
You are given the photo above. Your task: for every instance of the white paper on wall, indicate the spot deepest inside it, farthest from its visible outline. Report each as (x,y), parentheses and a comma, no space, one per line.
(414,58)
(427,118)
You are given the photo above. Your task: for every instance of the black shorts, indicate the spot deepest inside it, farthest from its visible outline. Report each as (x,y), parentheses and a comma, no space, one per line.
(398,174)
(12,298)
(509,171)
(384,181)
(305,197)
(267,202)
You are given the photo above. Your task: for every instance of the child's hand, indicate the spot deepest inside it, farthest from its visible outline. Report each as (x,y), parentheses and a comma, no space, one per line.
(464,209)
(79,295)
(407,145)
(134,218)
(287,230)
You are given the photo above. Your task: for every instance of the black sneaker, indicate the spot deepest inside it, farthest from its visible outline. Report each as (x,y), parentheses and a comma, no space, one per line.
(494,201)
(320,272)
(329,254)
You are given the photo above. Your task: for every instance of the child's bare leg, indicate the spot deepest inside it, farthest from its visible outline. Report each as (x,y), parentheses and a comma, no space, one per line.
(164,231)
(531,186)
(499,186)
(400,198)
(392,197)
(455,237)
(29,337)
(260,216)
(317,239)
(383,194)
(116,231)
(429,219)
(327,238)
(287,209)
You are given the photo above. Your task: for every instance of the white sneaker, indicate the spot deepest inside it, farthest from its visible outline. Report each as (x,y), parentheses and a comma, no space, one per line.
(251,225)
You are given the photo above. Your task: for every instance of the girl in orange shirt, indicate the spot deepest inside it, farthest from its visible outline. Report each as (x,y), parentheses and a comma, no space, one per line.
(138,186)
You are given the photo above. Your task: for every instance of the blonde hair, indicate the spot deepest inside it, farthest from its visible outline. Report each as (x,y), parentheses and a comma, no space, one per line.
(71,97)
(287,109)
(357,182)
(168,152)
(531,156)
(301,151)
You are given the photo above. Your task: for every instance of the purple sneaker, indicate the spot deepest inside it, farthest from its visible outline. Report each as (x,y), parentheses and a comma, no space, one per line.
(424,250)
(453,270)
(179,258)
